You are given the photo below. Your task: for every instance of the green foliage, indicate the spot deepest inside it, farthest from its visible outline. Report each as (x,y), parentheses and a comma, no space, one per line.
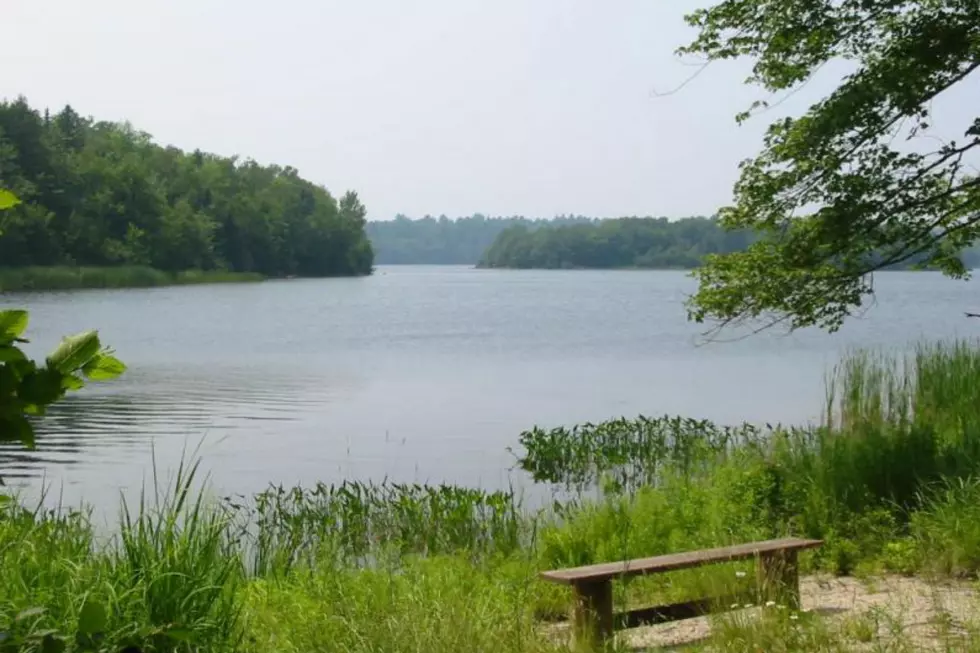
(103,194)
(348,521)
(27,389)
(443,604)
(947,531)
(167,585)
(834,193)
(8,200)
(180,570)
(628,453)
(620,243)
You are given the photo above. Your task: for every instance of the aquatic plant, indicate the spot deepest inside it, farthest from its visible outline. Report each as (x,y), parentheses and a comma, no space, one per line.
(628,453)
(353,521)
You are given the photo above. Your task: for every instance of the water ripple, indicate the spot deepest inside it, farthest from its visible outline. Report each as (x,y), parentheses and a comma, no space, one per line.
(151,404)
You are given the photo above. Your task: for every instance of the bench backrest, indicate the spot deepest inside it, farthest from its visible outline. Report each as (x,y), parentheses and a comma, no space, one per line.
(675,561)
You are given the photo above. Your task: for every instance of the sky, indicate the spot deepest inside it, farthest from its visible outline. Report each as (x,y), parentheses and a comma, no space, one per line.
(503,107)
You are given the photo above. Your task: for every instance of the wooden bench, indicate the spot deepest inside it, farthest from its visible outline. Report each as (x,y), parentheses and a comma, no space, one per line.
(777,577)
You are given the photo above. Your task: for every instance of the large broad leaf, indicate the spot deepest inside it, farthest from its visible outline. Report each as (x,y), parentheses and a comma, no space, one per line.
(74,351)
(41,388)
(12,324)
(9,354)
(7,199)
(92,619)
(16,428)
(104,367)
(72,382)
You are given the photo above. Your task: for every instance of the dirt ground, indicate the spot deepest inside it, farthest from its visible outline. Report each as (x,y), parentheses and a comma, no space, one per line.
(924,614)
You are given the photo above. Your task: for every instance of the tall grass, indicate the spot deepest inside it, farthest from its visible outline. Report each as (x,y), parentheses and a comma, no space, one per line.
(353,522)
(891,480)
(168,582)
(127,276)
(180,568)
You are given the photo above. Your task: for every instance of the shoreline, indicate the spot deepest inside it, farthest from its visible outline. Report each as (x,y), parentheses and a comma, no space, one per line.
(85,277)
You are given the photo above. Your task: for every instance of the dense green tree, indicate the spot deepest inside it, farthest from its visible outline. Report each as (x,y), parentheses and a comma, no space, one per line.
(860,181)
(619,243)
(100,193)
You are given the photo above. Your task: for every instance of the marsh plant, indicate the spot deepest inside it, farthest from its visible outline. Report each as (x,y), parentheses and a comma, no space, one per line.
(628,453)
(352,522)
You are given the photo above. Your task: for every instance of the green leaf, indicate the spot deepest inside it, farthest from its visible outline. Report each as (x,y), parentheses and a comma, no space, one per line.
(72,382)
(53,644)
(7,199)
(13,323)
(74,351)
(104,367)
(93,618)
(9,353)
(14,428)
(42,387)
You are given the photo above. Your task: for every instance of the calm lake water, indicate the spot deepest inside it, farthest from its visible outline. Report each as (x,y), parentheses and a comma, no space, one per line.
(417,373)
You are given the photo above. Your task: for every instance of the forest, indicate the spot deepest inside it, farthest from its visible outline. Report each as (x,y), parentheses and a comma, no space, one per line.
(104,194)
(444,241)
(614,243)
(632,242)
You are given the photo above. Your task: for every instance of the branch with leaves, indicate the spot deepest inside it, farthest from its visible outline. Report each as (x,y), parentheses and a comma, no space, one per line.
(27,389)
(845,189)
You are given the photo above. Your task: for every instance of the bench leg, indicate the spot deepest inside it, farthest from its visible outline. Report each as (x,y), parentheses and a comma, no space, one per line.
(593,613)
(779,578)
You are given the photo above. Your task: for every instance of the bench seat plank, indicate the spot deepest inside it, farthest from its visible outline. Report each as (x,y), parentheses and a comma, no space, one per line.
(675,561)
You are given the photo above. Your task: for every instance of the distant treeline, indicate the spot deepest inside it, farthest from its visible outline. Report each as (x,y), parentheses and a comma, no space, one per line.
(616,243)
(445,241)
(628,243)
(103,194)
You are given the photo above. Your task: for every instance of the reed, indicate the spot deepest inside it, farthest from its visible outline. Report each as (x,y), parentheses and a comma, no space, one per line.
(353,522)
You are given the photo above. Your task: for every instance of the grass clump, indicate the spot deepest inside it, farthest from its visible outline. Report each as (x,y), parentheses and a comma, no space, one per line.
(442,603)
(125,276)
(167,582)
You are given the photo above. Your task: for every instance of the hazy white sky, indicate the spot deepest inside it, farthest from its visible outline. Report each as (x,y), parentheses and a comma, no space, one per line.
(533,107)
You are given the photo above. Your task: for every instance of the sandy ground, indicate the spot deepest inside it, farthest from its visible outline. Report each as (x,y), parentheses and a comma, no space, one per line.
(924,615)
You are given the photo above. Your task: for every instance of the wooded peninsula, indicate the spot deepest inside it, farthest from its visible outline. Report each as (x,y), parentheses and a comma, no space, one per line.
(104,194)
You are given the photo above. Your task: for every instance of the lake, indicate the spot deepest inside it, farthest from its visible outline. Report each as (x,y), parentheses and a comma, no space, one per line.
(417,373)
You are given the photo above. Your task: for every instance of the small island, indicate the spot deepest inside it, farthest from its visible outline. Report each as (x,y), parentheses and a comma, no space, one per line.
(614,243)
